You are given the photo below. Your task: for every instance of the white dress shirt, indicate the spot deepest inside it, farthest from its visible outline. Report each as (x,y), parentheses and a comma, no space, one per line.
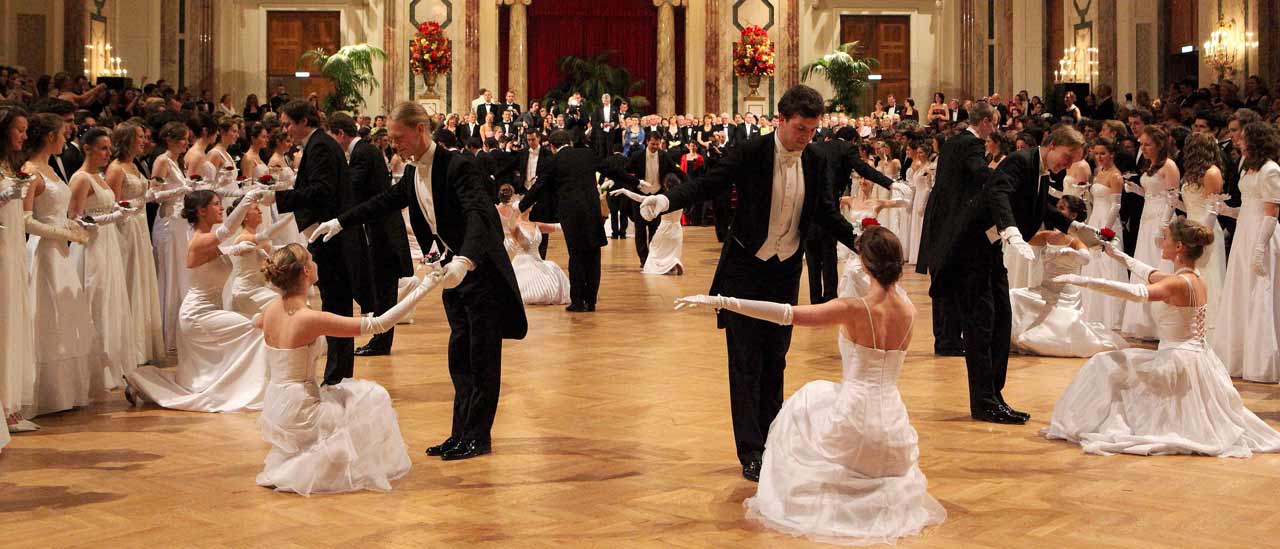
(351,147)
(788,199)
(531,169)
(651,170)
(422,183)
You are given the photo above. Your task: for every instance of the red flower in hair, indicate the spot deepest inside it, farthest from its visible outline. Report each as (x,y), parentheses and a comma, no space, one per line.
(870,222)
(1107,234)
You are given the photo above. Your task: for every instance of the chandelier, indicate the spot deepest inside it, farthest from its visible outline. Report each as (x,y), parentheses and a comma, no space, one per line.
(1226,46)
(1076,68)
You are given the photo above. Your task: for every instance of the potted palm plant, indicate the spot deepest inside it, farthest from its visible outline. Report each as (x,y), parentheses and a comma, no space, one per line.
(350,70)
(846,69)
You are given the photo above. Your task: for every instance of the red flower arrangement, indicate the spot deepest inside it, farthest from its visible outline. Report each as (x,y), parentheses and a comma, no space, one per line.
(22,176)
(266,179)
(1107,234)
(123,204)
(870,222)
(754,55)
(429,51)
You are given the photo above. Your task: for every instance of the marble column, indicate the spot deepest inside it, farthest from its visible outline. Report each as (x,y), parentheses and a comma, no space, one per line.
(74,32)
(1269,43)
(791,68)
(967,38)
(169,42)
(1107,44)
(518,49)
(390,44)
(471,43)
(666,83)
(1004,49)
(711,83)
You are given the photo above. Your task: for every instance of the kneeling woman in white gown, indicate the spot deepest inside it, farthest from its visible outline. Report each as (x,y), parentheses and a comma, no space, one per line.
(1049,319)
(222,364)
(541,281)
(249,290)
(841,463)
(1177,399)
(668,242)
(335,438)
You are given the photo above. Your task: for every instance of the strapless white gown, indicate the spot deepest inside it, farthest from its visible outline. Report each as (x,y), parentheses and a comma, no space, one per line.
(335,438)
(666,246)
(222,360)
(922,182)
(1099,307)
(854,280)
(541,282)
(1049,319)
(1213,263)
(114,351)
(1138,321)
(250,292)
(17,339)
(1177,399)
(841,464)
(140,273)
(169,236)
(1248,336)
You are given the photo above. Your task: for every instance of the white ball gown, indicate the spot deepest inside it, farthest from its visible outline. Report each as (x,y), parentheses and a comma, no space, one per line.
(1049,319)
(922,183)
(1212,265)
(63,332)
(17,337)
(541,282)
(140,274)
(1138,321)
(1177,399)
(1103,213)
(666,246)
(841,464)
(114,352)
(1247,338)
(250,292)
(169,235)
(335,438)
(221,357)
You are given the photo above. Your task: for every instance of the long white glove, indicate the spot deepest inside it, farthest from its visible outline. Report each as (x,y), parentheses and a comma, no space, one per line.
(73,233)
(629,194)
(654,206)
(777,313)
(1266,231)
(388,320)
(1212,203)
(233,220)
(162,196)
(228,191)
(115,216)
(1114,288)
(239,248)
(1131,187)
(648,187)
(1088,234)
(268,233)
(1080,256)
(901,188)
(1110,215)
(1138,268)
(328,230)
(1013,237)
(14,192)
(455,271)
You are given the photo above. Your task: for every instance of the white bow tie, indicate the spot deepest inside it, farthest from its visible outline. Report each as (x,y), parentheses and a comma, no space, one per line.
(789,159)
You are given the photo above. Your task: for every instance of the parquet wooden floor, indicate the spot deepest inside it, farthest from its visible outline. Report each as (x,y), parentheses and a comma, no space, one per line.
(614,430)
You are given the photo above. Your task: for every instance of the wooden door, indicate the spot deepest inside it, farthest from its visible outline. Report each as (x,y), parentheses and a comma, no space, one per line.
(289,34)
(887,38)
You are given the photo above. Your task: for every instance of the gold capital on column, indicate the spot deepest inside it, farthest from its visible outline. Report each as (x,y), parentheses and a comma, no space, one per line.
(666,83)
(518,50)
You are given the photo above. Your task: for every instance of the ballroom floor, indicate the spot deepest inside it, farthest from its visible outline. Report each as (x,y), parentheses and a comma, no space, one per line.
(613,430)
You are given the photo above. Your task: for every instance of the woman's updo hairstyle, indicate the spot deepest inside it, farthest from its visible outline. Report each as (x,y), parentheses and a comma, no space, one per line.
(1192,235)
(505,192)
(881,254)
(173,131)
(284,268)
(39,127)
(192,204)
(1076,205)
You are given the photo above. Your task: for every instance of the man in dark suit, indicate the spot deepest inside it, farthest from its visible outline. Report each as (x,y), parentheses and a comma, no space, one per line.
(570,175)
(488,107)
(511,105)
(1131,202)
(501,163)
(1106,108)
(448,203)
(388,256)
(530,162)
(644,174)
(322,190)
(782,199)
(748,129)
(468,129)
(604,123)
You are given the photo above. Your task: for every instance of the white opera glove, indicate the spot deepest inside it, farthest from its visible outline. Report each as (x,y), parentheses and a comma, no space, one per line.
(116,216)
(1213,202)
(455,271)
(268,233)
(268,196)
(1080,256)
(162,196)
(1055,193)
(1088,234)
(233,220)
(388,320)
(1112,214)
(901,188)
(654,206)
(777,313)
(12,193)
(1131,187)
(628,193)
(1138,268)
(1013,237)
(239,248)
(71,232)
(328,230)
(1114,288)
(647,187)
(1266,231)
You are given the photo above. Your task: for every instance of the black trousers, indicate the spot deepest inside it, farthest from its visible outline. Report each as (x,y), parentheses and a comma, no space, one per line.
(644,232)
(584,275)
(475,352)
(984,300)
(723,205)
(542,248)
(335,297)
(382,295)
(948,318)
(1131,218)
(820,256)
(757,349)
(618,215)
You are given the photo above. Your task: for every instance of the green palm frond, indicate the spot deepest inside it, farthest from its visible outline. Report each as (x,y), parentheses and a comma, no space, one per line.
(594,76)
(846,69)
(350,70)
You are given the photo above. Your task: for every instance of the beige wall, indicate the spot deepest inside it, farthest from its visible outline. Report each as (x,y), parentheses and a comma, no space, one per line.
(52,10)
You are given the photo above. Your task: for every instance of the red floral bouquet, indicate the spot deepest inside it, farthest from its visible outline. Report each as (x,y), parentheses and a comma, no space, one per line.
(754,55)
(870,222)
(23,176)
(266,179)
(429,51)
(124,204)
(1107,234)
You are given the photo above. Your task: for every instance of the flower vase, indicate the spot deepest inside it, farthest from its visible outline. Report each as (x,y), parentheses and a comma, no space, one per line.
(429,78)
(753,83)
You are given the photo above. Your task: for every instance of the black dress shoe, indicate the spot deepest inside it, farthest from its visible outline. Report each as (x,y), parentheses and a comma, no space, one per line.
(751,471)
(1009,410)
(467,449)
(949,352)
(576,308)
(996,414)
(440,449)
(591,308)
(372,351)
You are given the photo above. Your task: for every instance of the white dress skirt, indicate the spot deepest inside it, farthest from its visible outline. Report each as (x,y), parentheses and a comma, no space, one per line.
(1138,321)
(140,275)
(17,338)
(1248,335)
(541,282)
(1099,307)
(1177,399)
(114,351)
(922,182)
(1212,264)
(250,292)
(1049,320)
(222,360)
(326,439)
(169,236)
(666,246)
(841,464)
(63,331)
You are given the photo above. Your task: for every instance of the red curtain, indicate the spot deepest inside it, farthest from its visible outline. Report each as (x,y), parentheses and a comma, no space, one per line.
(573,27)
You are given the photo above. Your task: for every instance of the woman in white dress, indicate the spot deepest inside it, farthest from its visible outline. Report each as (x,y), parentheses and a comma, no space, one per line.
(920,177)
(1247,338)
(841,464)
(332,438)
(222,362)
(63,332)
(667,244)
(17,338)
(896,220)
(1104,213)
(1176,399)
(861,210)
(249,290)
(224,166)
(1202,198)
(200,169)
(1076,181)
(1048,319)
(280,166)
(170,233)
(127,142)
(1157,183)
(541,282)
(113,352)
